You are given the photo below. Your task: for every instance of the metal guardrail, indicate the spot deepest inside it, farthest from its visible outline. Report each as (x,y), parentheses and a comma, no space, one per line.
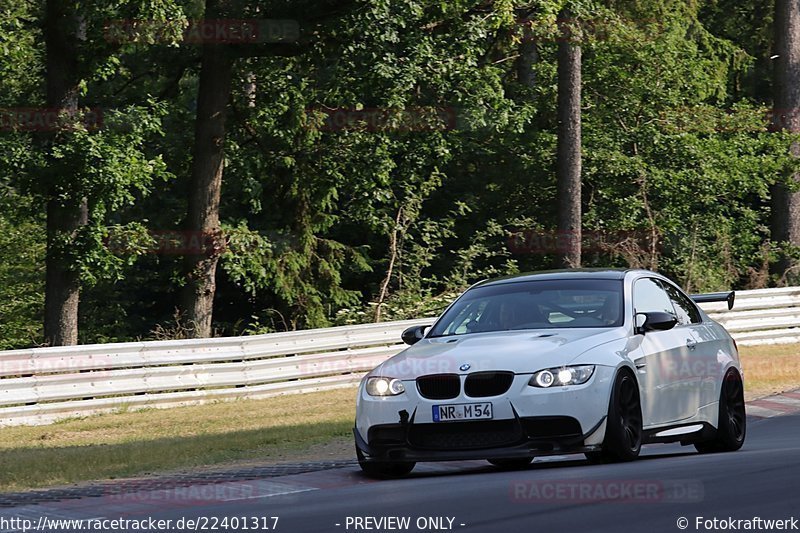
(761,316)
(40,385)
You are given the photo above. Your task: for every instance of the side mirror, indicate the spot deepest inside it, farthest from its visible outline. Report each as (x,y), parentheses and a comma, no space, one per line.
(413,334)
(654,321)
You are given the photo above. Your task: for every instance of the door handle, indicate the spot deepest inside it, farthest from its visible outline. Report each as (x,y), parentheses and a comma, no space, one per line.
(691,344)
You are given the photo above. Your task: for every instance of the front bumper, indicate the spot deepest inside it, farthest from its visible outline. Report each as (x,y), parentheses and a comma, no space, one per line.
(496,439)
(528,421)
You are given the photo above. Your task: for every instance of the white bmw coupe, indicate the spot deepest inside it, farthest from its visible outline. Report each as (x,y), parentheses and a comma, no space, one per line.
(576,361)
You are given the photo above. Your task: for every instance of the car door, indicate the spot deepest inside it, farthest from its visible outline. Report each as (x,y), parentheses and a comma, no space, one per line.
(661,352)
(701,371)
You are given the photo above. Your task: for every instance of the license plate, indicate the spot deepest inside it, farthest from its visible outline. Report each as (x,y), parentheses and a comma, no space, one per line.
(462,411)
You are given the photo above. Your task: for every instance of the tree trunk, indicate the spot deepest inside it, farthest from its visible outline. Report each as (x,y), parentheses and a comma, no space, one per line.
(396,232)
(65,212)
(786,204)
(568,164)
(202,221)
(528,57)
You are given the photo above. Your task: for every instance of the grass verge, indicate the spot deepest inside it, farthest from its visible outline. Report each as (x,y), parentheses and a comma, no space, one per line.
(136,443)
(285,428)
(770,369)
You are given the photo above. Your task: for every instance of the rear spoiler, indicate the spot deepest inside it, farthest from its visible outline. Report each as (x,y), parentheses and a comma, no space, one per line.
(715,297)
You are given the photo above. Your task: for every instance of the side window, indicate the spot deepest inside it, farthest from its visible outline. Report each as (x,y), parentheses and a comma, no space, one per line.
(648,296)
(685,310)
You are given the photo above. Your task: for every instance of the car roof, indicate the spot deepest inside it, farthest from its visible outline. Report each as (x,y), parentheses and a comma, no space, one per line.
(570,273)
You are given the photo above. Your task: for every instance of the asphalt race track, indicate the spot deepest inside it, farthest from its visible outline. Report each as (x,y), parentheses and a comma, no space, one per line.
(557,494)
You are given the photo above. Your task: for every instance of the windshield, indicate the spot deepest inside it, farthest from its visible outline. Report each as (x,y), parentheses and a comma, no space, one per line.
(580,303)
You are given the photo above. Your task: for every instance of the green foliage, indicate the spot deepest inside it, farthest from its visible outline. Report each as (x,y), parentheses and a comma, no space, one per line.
(108,169)
(392,157)
(22,249)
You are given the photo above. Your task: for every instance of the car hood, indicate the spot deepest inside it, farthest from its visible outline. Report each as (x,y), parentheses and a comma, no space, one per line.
(515,351)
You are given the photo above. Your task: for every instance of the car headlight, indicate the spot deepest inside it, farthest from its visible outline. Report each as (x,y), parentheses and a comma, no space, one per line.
(567,375)
(385,387)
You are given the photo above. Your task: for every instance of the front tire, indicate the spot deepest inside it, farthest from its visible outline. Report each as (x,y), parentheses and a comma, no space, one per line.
(384,470)
(732,420)
(623,440)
